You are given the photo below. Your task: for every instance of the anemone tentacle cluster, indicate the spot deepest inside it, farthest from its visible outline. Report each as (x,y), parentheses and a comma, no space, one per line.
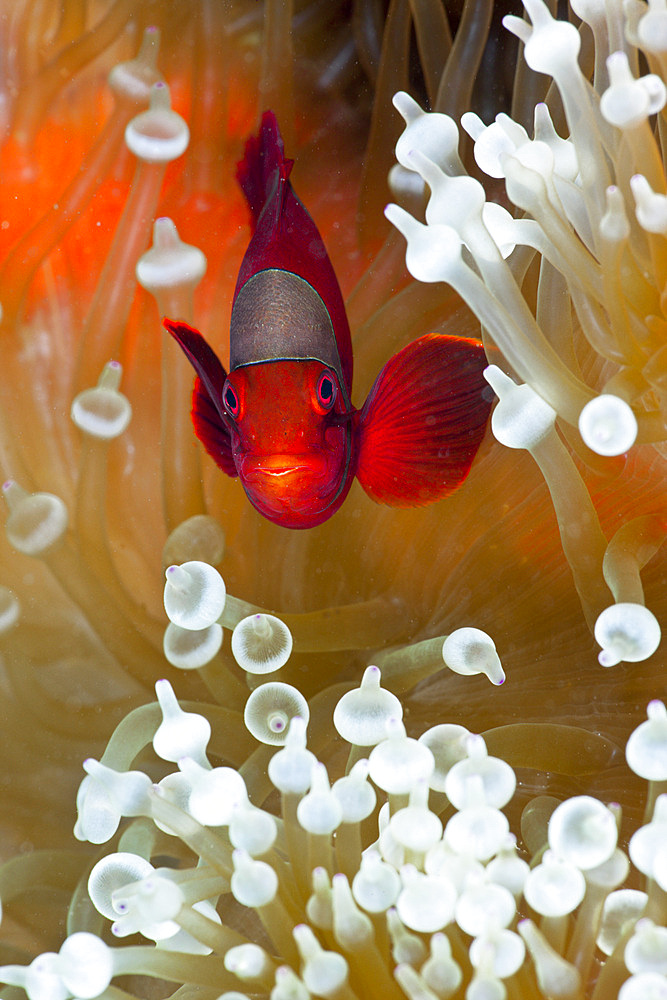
(401,878)
(95,499)
(588,243)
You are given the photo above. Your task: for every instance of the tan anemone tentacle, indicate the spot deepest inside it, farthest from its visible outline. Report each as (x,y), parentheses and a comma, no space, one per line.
(38,95)
(130,83)
(350,626)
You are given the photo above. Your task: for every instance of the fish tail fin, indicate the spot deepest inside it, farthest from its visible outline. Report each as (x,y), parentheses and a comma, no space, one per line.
(263,166)
(423,421)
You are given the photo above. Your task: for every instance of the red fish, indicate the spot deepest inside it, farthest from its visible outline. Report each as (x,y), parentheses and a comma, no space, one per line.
(282,420)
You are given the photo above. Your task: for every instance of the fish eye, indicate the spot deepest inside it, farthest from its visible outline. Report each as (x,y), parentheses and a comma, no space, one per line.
(326,390)
(230,399)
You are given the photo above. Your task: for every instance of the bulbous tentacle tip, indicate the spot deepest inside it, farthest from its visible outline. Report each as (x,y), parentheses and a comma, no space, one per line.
(650,27)
(290,769)
(415,827)
(406,186)
(261,643)
(555,887)
(246,962)
(650,206)
(191,649)
(132,80)
(200,538)
(180,734)
(646,846)
(361,715)
(214,795)
(398,761)
(471,651)
(472,124)
(550,46)
(170,263)
(646,750)
(148,906)
(645,951)
(158,135)
(269,710)
(253,883)
(325,973)
(194,595)
(583,831)
(85,964)
(621,909)
(288,986)
(37,522)
(614,224)
(406,106)
(555,976)
(103,412)
(433,252)
(629,102)
(111,873)
(319,811)
(626,632)
(522,418)
(498,781)
(251,829)
(453,199)
(486,909)
(427,902)
(105,796)
(355,793)
(435,135)
(447,743)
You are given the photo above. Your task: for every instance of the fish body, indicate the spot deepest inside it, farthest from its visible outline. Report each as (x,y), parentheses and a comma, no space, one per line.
(282,419)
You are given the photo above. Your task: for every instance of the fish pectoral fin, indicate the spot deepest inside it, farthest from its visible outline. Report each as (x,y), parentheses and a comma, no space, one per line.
(201,356)
(211,429)
(207,409)
(423,421)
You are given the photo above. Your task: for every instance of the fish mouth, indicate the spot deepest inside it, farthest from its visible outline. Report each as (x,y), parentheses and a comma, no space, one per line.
(289,484)
(278,465)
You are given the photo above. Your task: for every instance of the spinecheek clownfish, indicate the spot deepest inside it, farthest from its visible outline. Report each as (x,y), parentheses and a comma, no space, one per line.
(282,419)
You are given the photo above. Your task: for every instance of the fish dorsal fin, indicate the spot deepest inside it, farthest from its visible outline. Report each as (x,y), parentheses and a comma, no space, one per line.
(423,421)
(264,167)
(285,236)
(207,409)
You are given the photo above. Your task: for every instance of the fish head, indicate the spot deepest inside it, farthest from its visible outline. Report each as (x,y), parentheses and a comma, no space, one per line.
(291,431)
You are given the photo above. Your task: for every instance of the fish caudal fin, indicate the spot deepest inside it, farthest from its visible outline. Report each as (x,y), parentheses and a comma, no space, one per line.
(263,165)
(423,421)
(207,409)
